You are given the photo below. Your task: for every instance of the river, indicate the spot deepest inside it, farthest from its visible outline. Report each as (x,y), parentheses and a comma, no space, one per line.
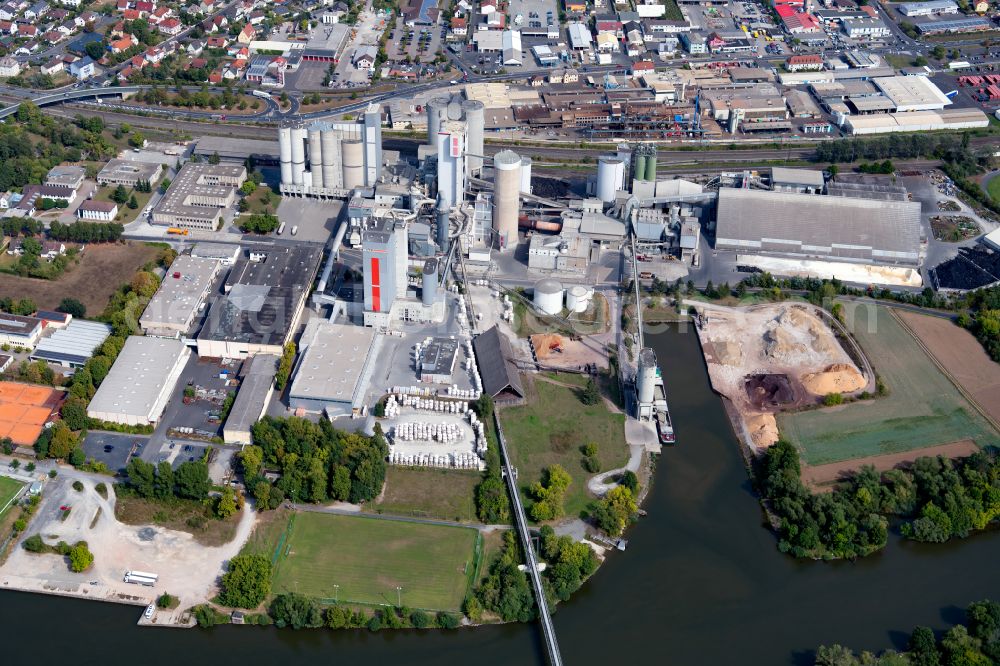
(701,583)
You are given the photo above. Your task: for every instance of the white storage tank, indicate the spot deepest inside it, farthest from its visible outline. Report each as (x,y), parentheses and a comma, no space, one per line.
(578,298)
(548,297)
(610,178)
(526,175)
(285,152)
(645,381)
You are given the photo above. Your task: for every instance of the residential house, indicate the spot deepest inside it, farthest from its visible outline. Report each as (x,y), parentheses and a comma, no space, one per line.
(9,67)
(216,42)
(459,27)
(364,58)
(123,44)
(26,30)
(170,27)
(247,34)
(7,28)
(36,11)
(52,67)
(99,211)
(83,69)
(195,47)
(812,62)
(8,12)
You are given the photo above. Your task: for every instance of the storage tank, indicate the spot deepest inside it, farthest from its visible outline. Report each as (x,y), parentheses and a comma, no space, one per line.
(429,285)
(331,168)
(548,296)
(650,173)
(475,123)
(578,298)
(315,157)
(645,381)
(285,154)
(610,178)
(640,167)
(352,152)
(526,175)
(437,110)
(506,196)
(299,137)
(442,225)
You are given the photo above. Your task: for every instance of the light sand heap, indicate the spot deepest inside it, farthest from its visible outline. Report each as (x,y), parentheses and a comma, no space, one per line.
(763,429)
(837,378)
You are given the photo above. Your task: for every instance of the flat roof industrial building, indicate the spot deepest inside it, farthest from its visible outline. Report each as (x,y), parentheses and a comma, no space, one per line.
(437,360)
(334,368)
(18,331)
(73,345)
(138,387)
(252,399)
(237,149)
(128,172)
(821,227)
(180,297)
(198,195)
(263,298)
(912,93)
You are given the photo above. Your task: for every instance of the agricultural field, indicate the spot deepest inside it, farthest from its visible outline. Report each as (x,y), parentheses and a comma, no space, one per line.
(550,430)
(428,493)
(363,560)
(8,490)
(922,409)
(100,271)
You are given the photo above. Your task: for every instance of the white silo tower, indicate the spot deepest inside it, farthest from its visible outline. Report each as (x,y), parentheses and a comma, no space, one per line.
(285,154)
(315,156)
(331,164)
(353,155)
(451,163)
(578,298)
(506,196)
(645,381)
(475,126)
(548,296)
(299,136)
(526,175)
(610,178)
(437,112)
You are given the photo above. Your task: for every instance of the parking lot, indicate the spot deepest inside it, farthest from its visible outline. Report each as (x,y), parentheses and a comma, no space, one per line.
(315,220)
(113,449)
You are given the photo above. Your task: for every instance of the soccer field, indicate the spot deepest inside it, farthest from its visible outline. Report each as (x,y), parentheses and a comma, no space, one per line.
(923,407)
(368,558)
(8,489)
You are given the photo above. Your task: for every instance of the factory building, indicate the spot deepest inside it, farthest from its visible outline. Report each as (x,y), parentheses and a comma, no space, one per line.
(261,303)
(506,197)
(494,356)
(451,171)
(256,389)
(384,259)
(472,115)
(180,298)
(18,331)
(818,227)
(329,159)
(73,345)
(437,360)
(198,195)
(139,385)
(128,172)
(334,368)
(916,121)
(928,8)
(803,181)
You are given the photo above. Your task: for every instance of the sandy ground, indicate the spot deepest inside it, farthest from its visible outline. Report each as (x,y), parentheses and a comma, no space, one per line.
(557,351)
(962,357)
(824,475)
(848,272)
(779,339)
(187,570)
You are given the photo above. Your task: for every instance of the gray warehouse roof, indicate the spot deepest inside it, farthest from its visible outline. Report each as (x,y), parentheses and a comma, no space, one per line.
(818,226)
(141,378)
(252,396)
(496,366)
(181,293)
(73,344)
(332,366)
(785,176)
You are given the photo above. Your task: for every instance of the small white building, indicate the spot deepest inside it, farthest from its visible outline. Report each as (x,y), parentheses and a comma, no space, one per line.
(9,67)
(97,211)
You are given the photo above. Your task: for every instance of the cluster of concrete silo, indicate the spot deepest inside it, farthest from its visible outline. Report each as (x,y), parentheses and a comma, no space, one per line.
(335,160)
(440,110)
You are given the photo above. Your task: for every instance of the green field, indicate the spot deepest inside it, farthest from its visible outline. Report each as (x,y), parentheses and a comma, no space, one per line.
(8,489)
(368,558)
(923,407)
(993,188)
(448,494)
(551,428)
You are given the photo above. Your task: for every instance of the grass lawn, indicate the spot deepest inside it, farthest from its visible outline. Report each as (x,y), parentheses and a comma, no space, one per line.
(551,428)
(993,188)
(188,516)
(429,493)
(923,407)
(8,489)
(256,200)
(268,534)
(125,214)
(899,61)
(368,558)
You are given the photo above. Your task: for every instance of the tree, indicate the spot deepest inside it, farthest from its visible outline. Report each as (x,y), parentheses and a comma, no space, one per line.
(141,477)
(133,203)
(615,510)
(119,195)
(73,307)
(192,480)
(590,395)
(74,413)
(247,582)
(214,158)
(163,484)
(549,494)
(76,457)
(261,223)
(296,611)
(226,505)
(144,284)
(80,557)
(63,441)
(922,648)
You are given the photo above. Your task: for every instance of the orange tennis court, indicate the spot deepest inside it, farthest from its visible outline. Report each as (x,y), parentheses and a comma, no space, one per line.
(24,409)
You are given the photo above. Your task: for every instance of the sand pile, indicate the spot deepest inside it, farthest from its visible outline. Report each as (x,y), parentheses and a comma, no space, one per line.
(728,352)
(837,378)
(763,429)
(796,336)
(781,345)
(546,344)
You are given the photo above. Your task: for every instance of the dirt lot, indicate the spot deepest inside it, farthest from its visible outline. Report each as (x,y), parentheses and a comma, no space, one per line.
(557,351)
(823,476)
(101,270)
(962,357)
(186,569)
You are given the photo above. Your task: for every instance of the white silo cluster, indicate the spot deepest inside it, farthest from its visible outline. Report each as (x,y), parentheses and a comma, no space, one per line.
(578,298)
(418,431)
(548,296)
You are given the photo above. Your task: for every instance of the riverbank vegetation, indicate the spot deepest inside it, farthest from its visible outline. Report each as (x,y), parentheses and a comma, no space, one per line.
(975,642)
(937,499)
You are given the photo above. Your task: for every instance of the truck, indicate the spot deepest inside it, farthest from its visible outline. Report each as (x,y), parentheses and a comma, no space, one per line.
(281,228)
(177,232)
(141,578)
(263,94)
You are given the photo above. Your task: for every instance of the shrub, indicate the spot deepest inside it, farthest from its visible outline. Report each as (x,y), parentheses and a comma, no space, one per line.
(34,544)
(166,601)
(78,486)
(102,490)
(80,557)
(420,619)
(447,620)
(832,399)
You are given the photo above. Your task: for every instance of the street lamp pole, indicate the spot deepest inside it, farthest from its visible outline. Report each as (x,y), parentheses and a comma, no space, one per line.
(399,597)
(336,594)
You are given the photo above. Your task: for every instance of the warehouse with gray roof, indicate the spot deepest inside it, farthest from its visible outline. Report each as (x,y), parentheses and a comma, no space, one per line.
(256,384)
(181,296)
(819,227)
(73,345)
(334,369)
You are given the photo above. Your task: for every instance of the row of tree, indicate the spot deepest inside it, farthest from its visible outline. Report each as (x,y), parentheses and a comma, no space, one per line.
(163,482)
(316,462)
(86,232)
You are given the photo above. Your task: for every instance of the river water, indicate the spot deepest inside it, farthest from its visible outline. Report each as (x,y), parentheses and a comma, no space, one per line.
(701,583)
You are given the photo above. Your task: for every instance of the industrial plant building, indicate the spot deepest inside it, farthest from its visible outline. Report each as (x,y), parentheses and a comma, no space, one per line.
(437,360)
(818,227)
(199,194)
(139,385)
(18,331)
(494,356)
(256,389)
(329,159)
(180,298)
(73,345)
(334,368)
(128,172)
(261,303)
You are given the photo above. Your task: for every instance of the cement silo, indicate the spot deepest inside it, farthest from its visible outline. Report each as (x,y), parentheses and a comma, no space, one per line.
(548,296)
(299,136)
(610,178)
(353,154)
(442,225)
(285,154)
(526,175)
(330,166)
(451,163)
(315,157)
(650,173)
(578,298)
(506,196)
(475,126)
(437,112)
(645,381)
(429,285)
